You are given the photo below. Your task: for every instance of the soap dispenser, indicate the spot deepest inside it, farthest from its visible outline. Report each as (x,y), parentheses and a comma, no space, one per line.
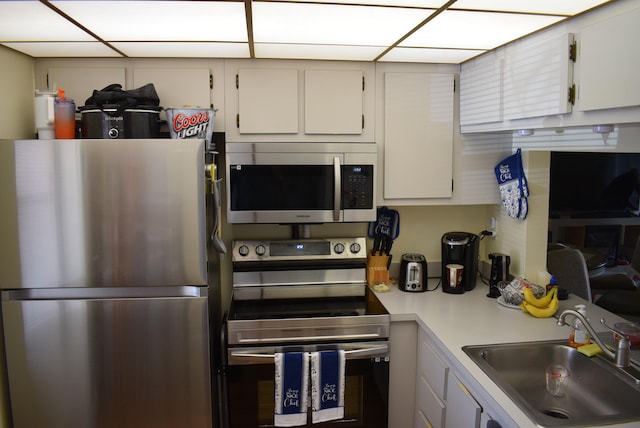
(579,335)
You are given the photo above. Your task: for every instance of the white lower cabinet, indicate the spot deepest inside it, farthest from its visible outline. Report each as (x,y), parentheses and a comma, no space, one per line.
(462,409)
(441,399)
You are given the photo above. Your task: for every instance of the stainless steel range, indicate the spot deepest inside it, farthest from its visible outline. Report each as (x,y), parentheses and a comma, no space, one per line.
(304,295)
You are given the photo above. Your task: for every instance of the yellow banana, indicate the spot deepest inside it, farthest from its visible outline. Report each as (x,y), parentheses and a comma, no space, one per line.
(542,312)
(542,302)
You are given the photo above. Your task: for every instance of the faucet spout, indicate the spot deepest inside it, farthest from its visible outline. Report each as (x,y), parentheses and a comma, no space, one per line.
(621,356)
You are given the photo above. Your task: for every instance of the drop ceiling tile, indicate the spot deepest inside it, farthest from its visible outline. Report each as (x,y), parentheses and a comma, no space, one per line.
(427,55)
(32,21)
(183,49)
(554,7)
(323,52)
(63,49)
(160,20)
(476,30)
(431,4)
(332,24)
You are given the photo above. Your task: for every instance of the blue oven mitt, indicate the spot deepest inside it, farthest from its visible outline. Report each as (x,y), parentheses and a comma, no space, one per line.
(513,185)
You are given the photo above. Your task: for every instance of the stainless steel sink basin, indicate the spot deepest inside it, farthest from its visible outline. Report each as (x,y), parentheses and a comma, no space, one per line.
(598,393)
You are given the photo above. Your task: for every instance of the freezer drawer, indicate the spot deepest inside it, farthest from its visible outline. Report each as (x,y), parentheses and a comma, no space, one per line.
(103,363)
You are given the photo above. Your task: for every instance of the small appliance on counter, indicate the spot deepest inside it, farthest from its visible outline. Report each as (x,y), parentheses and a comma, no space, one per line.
(460,248)
(413,273)
(499,272)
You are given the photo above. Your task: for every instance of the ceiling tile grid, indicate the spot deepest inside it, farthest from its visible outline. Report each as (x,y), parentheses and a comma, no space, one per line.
(434,31)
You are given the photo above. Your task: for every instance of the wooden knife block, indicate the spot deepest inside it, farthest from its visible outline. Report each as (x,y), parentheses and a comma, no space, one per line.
(378,269)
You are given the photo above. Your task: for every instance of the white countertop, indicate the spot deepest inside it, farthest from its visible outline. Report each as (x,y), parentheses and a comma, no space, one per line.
(472,318)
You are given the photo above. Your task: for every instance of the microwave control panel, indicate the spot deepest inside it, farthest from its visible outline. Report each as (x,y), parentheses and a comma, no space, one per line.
(357,186)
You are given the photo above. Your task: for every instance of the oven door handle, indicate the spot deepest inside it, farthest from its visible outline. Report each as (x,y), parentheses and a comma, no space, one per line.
(350,354)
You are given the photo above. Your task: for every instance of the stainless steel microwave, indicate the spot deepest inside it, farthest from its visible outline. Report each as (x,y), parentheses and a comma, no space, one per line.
(289,183)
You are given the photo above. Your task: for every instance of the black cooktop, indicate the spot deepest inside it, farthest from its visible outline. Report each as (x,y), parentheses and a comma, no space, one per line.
(306,308)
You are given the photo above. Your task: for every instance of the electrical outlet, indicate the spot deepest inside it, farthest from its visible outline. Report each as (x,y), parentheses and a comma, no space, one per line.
(493,227)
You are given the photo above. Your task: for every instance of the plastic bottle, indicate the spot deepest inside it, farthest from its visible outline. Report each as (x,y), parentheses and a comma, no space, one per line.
(579,335)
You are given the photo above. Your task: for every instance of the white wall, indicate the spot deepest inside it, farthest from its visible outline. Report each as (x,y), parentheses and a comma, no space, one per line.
(17,89)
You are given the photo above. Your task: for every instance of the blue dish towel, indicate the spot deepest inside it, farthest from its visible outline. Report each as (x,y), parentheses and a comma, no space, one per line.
(327,385)
(291,389)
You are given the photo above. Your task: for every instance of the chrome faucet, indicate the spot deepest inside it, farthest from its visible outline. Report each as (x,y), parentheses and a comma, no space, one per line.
(621,356)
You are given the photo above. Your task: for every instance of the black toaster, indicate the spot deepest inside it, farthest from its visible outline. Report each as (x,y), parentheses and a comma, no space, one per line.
(413,273)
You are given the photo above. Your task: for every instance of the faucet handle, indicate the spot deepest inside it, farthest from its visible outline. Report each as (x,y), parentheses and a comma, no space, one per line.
(614,331)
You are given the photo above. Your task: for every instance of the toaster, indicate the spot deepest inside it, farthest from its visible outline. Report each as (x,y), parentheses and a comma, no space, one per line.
(413,273)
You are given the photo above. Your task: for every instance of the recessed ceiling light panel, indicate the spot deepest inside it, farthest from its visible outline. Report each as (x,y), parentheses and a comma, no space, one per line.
(476,30)
(32,21)
(552,7)
(183,49)
(330,24)
(322,52)
(64,49)
(160,20)
(427,55)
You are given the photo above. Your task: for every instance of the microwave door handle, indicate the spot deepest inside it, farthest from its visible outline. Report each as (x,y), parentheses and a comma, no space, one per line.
(337,190)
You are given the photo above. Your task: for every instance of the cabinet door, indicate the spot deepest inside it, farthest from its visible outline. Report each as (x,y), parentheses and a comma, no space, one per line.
(268,101)
(79,82)
(418,135)
(333,101)
(609,65)
(462,408)
(177,87)
(537,78)
(481,90)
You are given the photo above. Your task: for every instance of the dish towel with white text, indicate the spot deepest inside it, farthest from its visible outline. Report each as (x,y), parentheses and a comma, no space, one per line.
(291,389)
(327,385)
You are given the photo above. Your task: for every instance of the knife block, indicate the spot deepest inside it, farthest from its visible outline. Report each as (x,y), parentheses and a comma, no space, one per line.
(378,269)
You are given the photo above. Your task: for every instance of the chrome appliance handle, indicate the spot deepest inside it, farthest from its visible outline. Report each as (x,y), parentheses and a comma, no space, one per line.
(337,188)
(314,338)
(350,354)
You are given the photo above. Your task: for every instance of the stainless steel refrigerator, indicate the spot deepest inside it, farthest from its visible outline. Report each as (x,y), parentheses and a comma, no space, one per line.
(103,274)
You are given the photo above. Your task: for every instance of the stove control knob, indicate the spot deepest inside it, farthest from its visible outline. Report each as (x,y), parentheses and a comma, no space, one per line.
(261,250)
(338,248)
(243,250)
(355,248)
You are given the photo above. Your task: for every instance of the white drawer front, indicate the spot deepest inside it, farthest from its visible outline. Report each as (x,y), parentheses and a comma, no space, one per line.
(429,405)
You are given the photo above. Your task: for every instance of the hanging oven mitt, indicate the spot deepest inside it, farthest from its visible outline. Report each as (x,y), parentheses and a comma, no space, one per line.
(513,185)
(387,223)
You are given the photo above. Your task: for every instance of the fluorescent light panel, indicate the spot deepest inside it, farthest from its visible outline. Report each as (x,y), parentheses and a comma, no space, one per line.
(63,49)
(31,21)
(183,49)
(553,7)
(428,55)
(332,24)
(323,52)
(476,30)
(160,20)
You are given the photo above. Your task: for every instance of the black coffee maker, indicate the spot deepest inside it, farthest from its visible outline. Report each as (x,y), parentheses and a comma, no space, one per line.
(499,272)
(460,248)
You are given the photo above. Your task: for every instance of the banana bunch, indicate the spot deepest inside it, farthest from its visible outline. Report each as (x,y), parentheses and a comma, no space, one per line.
(543,307)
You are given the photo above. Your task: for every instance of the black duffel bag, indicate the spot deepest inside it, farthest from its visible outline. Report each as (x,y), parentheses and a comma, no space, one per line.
(114,95)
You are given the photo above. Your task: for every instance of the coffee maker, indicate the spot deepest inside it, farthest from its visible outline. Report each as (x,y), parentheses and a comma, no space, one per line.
(460,248)
(499,272)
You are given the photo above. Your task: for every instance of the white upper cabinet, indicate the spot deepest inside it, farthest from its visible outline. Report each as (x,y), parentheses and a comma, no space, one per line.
(418,135)
(333,101)
(299,101)
(609,63)
(80,82)
(177,87)
(537,79)
(267,101)
(481,90)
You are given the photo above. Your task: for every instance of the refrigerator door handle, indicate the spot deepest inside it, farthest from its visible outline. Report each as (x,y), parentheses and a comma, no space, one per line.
(103,293)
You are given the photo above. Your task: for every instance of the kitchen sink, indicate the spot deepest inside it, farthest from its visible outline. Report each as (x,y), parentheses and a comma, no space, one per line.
(598,393)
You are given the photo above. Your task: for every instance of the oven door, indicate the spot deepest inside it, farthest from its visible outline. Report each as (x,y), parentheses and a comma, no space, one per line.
(250,385)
